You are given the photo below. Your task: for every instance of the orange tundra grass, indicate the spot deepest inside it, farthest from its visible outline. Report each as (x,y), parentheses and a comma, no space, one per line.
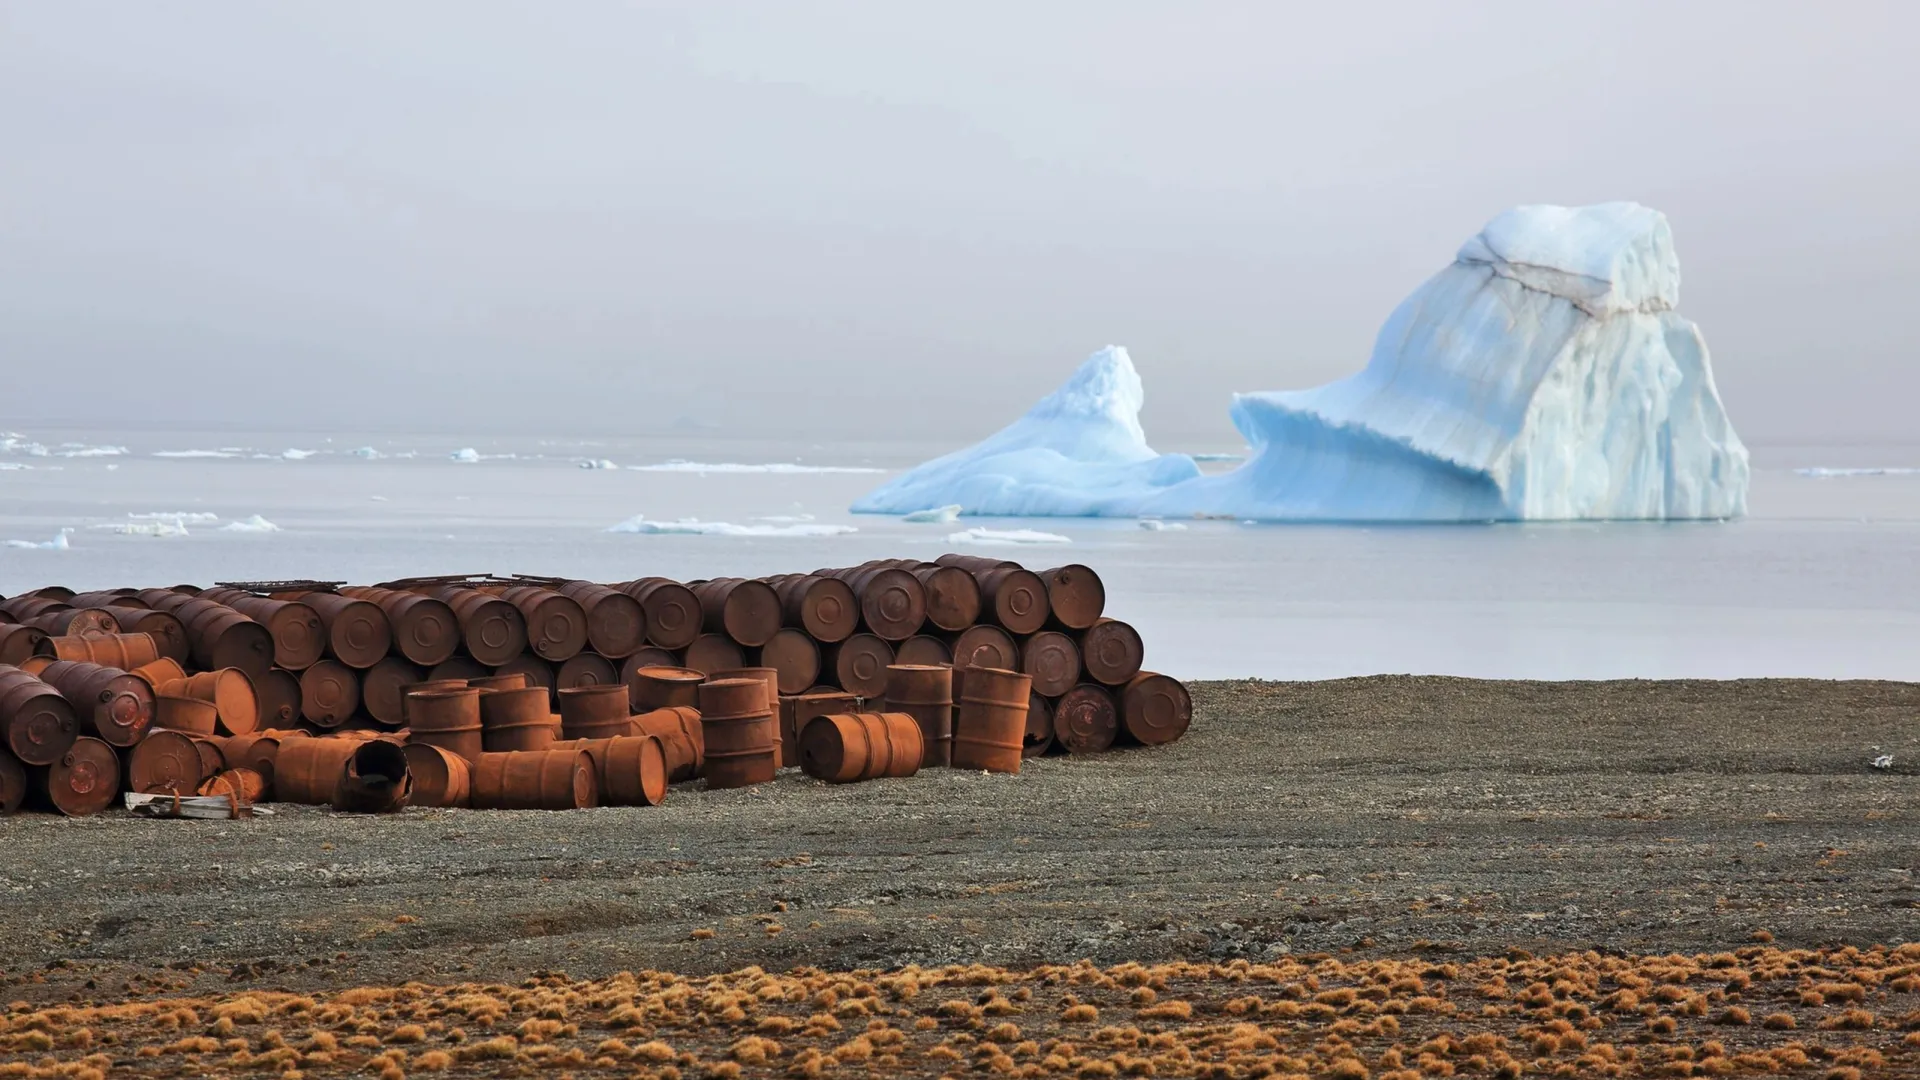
(1852,1012)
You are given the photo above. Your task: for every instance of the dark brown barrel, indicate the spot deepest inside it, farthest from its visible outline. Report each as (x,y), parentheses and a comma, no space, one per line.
(299,637)
(37,724)
(108,703)
(457,667)
(681,739)
(358,633)
(18,642)
(536,671)
(77,622)
(1075,595)
(13,784)
(244,786)
(986,646)
(848,748)
(221,637)
(556,623)
(974,564)
(449,719)
(859,664)
(893,603)
(1039,737)
(425,630)
(1154,709)
(159,672)
(123,651)
(595,712)
(714,652)
(329,693)
(673,612)
(517,720)
(923,650)
(631,770)
(440,778)
(259,752)
(586,669)
(380,689)
(128,598)
(407,690)
(535,780)
(1086,719)
(795,656)
(746,611)
(167,763)
(492,630)
(771,677)
(376,779)
(512,680)
(1112,652)
(309,771)
(187,715)
(737,723)
(824,607)
(953,596)
(232,693)
(616,622)
(86,779)
(1052,660)
(32,606)
(1015,599)
(992,723)
(169,634)
(664,688)
(925,692)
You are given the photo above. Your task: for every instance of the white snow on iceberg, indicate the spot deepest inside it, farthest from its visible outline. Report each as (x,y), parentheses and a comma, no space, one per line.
(58,543)
(1542,376)
(254,524)
(692,527)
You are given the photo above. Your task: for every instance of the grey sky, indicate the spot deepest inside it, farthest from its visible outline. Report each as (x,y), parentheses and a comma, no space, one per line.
(825,219)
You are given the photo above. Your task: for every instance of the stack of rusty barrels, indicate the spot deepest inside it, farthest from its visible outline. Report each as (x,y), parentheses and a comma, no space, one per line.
(546,692)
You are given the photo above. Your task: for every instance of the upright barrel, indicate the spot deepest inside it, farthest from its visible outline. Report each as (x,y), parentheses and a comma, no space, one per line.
(651,688)
(992,724)
(926,694)
(771,678)
(595,712)
(517,720)
(449,719)
(737,724)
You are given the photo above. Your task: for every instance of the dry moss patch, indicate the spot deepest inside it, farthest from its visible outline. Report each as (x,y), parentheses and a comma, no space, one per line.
(1762,1010)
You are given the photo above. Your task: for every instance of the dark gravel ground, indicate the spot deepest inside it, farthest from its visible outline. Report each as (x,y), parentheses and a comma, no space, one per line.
(1388,815)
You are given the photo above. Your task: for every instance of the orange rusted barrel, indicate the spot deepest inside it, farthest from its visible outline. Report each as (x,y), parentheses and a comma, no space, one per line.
(1075,595)
(168,763)
(309,770)
(673,612)
(440,777)
(1111,652)
(747,612)
(449,719)
(923,650)
(407,690)
(491,630)
(535,780)
(795,656)
(329,693)
(278,693)
(108,703)
(586,669)
(424,630)
(169,634)
(512,680)
(616,622)
(123,651)
(187,715)
(76,622)
(1039,737)
(13,784)
(381,689)
(850,747)
(714,652)
(376,779)
(358,633)
(953,596)
(18,642)
(536,671)
(663,687)
(159,672)
(463,668)
(986,646)
(217,635)
(259,752)
(859,664)
(648,656)
(244,786)
(231,692)
(1086,719)
(926,694)
(517,720)
(556,623)
(681,739)
(37,724)
(737,723)
(771,678)
(992,721)
(34,665)
(1052,660)
(631,770)
(86,779)
(824,607)
(797,710)
(595,712)
(299,637)
(1154,709)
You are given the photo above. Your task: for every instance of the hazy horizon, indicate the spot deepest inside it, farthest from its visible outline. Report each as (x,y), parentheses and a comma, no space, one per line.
(866,220)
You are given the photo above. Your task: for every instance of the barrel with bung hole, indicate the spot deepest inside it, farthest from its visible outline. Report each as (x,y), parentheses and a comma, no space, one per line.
(491,630)
(535,780)
(329,693)
(664,688)
(299,637)
(616,623)
(893,603)
(1111,652)
(795,656)
(859,664)
(357,631)
(86,779)
(926,694)
(992,723)
(376,779)
(595,712)
(168,763)
(37,723)
(449,719)
(108,704)
(953,596)
(986,646)
(309,771)
(824,607)
(517,720)
(17,642)
(1086,719)
(737,723)
(13,784)
(747,612)
(1075,595)
(232,694)
(1039,735)
(220,637)
(244,786)
(190,716)
(771,677)
(424,630)
(440,778)
(556,623)
(123,651)
(714,652)
(169,634)
(681,740)
(1154,709)
(76,622)
(631,770)
(1052,660)
(673,611)
(846,748)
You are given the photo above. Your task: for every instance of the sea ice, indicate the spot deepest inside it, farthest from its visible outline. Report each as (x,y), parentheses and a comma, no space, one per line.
(58,543)
(1158,525)
(254,524)
(1006,536)
(367,452)
(692,527)
(297,455)
(598,463)
(14,466)
(178,517)
(160,527)
(778,467)
(198,453)
(81,450)
(465,454)
(939,515)
(1819,473)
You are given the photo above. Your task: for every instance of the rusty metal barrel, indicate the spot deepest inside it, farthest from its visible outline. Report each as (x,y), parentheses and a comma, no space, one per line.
(824,607)
(556,623)
(358,631)
(771,677)
(953,596)
(673,611)
(517,720)
(232,693)
(737,723)
(795,711)
(1086,719)
(259,752)
(381,689)
(586,669)
(714,652)
(123,651)
(923,650)
(278,694)
(595,712)
(991,726)
(1076,597)
(19,641)
(1112,652)
(86,779)
(13,784)
(747,612)
(1016,599)
(329,693)
(616,622)
(184,714)
(925,692)
(78,622)
(846,748)
(1052,660)
(457,667)
(1039,736)
(37,723)
(169,763)
(681,739)
(407,690)
(299,637)
(986,646)
(535,671)
(535,780)
(631,770)
(512,680)
(664,688)
(169,634)
(108,703)
(893,603)
(859,664)
(376,779)
(447,718)
(440,777)
(1154,709)
(244,786)
(159,672)
(309,770)
(795,656)
(425,630)
(217,636)
(492,631)
(32,606)
(974,564)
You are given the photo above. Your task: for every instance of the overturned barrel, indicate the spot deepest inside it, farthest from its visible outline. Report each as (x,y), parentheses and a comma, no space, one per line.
(737,724)
(1154,709)
(535,780)
(631,770)
(673,611)
(309,771)
(682,744)
(123,651)
(992,724)
(187,715)
(1086,719)
(37,722)
(108,703)
(376,779)
(169,634)
(258,752)
(926,694)
(244,786)
(440,777)
(232,694)
(850,747)
(85,781)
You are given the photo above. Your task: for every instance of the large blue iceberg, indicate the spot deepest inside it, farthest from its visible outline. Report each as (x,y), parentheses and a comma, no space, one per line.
(1543,376)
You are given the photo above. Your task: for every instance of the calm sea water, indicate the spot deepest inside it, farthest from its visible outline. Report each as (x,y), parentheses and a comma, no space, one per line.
(1820,580)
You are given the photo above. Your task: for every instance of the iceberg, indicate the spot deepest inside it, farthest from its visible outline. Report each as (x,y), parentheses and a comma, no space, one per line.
(1544,375)
(58,543)
(1004,537)
(254,524)
(693,527)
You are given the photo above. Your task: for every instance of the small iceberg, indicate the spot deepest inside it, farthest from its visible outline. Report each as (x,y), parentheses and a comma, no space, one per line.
(178,517)
(80,450)
(13,466)
(297,455)
(939,515)
(1826,474)
(678,465)
(598,463)
(12,443)
(1159,525)
(58,543)
(694,527)
(254,524)
(466,455)
(143,528)
(1006,536)
(367,453)
(199,453)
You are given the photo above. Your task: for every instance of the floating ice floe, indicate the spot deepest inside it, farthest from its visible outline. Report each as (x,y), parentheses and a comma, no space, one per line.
(58,543)
(14,466)
(1006,536)
(253,524)
(178,517)
(682,466)
(1889,470)
(368,453)
(939,515)
(82,450)
(142,528)
(199,453)
(693,527)
(297,455)
(598,463)
(12,443)
(1159,525)
(465,454)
